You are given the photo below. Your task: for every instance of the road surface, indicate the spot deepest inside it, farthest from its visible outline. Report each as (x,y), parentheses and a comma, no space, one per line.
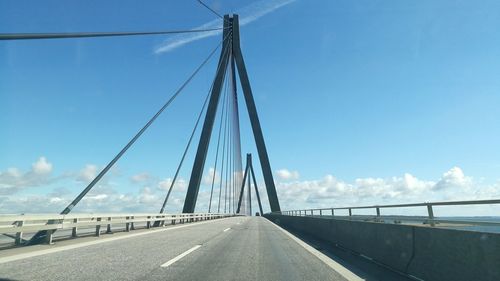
(238,248)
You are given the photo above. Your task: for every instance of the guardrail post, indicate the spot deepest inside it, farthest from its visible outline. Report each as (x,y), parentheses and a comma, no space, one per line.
(350,212)
(173,219)
(132,224)
(311,212)
(74,229)
(98,228)
(19,235)
(49,237)
(127,225)
(320,212)
(431,214)
(108,229)
(333,212)
(148,223)
(378,212)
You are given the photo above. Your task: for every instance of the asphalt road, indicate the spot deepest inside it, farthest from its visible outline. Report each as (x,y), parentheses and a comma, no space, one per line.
(239,248)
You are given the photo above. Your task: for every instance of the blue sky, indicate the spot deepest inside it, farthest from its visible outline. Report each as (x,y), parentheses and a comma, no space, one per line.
(360,101)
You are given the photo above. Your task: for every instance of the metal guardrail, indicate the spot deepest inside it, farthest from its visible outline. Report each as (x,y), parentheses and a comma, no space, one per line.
(16,225)
(430,219)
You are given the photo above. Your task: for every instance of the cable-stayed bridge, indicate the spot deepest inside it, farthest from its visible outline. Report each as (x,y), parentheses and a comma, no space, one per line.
(226,242)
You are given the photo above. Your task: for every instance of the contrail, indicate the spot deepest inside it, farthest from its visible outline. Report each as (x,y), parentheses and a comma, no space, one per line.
(247,14)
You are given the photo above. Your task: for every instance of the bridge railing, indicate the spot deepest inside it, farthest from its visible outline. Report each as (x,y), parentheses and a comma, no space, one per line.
(15,226)
(430,219)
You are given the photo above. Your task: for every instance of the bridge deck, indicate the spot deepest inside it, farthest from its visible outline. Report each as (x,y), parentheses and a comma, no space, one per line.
(239,248)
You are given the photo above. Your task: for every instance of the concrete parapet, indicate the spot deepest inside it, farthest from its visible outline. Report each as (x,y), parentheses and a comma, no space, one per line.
(425,252)
(447,254)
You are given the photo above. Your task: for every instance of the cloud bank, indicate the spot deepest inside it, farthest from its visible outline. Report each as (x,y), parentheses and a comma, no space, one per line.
(329,191)
(13,180)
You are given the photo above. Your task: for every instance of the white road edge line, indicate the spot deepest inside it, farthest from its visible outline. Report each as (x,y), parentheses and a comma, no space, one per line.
(90,243)
(226,229)
(346,273)
(172,261)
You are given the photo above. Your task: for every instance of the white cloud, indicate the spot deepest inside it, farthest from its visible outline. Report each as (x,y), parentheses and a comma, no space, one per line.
(454,178)
(247,15)
(87,174)
(332,192)
(142,177)
(179,186)
(285,174)
(328,191)
(13,180)
(147,196)
(42,166)
(207,179)
(97,197)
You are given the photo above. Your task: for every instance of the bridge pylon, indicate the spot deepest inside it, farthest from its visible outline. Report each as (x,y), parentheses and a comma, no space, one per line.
(231,53)
(246,178)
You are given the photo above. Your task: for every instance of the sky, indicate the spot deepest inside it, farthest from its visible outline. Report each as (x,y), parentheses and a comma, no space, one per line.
(361,102)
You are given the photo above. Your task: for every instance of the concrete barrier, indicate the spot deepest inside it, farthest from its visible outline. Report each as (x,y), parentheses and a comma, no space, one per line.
(424,252)
(447,254)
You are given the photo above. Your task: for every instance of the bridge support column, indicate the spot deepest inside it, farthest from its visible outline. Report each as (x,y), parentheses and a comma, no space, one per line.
(127,225)
(108,228)
(49,237)
(231,52)
(254,119)
(98,228)
(206,133)
(19,235)
(74,230)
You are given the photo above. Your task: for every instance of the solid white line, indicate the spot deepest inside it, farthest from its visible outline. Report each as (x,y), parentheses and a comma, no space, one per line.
(346,273)
(226,229)
(172,261)
(90,243)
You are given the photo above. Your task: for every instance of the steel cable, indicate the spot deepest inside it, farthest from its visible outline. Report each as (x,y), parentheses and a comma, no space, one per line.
(190,140)
(134,139)
(66,35)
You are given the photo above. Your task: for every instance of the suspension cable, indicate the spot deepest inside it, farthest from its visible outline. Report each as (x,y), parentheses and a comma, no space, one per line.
(223,110)
(223,151)
(190,138)
(65,35)
(239,166)
(134,139)
(184,154)
(231,162)
(210,9)
(227,152)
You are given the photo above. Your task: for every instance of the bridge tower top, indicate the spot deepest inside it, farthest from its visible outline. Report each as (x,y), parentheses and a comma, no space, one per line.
(231,54)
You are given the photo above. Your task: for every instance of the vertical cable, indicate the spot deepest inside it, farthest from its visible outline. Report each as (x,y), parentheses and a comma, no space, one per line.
(223,112)
(223,155)
(190,139)
(227,154)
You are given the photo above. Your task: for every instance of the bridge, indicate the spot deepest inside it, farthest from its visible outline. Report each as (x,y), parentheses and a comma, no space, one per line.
(226,242)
